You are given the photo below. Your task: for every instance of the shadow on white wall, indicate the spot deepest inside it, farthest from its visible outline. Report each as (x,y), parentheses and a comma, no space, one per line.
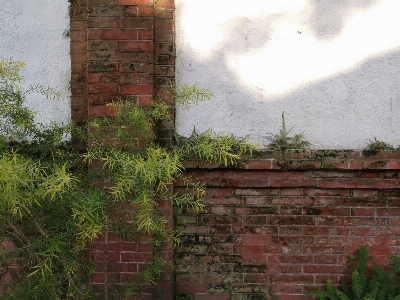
(330,65)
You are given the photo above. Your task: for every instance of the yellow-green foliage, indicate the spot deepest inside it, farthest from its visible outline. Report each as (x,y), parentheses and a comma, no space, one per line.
(51,207)
(379,145)
(213,146)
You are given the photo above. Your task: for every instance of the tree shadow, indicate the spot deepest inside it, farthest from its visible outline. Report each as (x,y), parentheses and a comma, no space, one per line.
(344,109)
(327,18)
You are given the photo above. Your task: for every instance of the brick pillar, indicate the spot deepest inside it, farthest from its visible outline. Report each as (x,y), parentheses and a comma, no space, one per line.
(120,53)
(122,49)
(78,50)
(164,70)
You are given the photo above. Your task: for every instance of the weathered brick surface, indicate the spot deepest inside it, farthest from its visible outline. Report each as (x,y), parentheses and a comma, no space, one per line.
(78,50)
(282,220)
(120,53)
(286,221)
(164,62)
(114,50)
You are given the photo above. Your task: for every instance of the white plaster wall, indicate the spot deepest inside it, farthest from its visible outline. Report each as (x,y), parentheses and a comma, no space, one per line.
(333,67)
(32,30)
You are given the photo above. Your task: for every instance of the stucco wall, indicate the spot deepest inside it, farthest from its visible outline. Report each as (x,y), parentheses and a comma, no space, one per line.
(33,31)
(332,66)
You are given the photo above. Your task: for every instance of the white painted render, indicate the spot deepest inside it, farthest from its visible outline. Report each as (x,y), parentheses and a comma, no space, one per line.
(32,31)
(333,67)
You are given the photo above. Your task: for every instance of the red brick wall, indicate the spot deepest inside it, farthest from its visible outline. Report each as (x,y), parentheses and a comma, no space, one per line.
(286,222)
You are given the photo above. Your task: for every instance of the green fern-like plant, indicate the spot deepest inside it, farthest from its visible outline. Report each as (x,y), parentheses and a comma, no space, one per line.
(375,284)
(215,147)
(376,145)
(56,200)
(283,141)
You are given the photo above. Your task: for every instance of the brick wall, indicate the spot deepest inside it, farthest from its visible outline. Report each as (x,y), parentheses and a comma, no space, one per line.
(282,221)
(286,222)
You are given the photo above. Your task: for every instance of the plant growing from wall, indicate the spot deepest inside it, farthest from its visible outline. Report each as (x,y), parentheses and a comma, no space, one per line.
(283,141)
(377,145)
(213,146)
(52,205)
(366,284)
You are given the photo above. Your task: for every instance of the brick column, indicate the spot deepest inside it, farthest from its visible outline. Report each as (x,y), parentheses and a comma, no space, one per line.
(78,49)
(164,70)
(120,53)
(126,40)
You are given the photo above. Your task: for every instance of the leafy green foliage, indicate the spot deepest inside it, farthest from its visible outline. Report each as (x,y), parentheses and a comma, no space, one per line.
(375,284)
(216,146)
(283,142)
(186,95)
(55,200)
(379,145)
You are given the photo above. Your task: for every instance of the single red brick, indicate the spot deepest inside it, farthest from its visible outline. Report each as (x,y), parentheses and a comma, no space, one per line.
(164,4)
(212,297)
(324,269)
(103,88)
(363,212)
(363,231)
(136,46)
(78,90)
(289,269)
(136,22)
(325,250)
(188,288)
(136,2)
(145,34)
(122,267)
(136,67)
(100,110)
(78,47)
(103,22)
(300,279)
(388,212)
(364,193)
(327,192)
(130,11)
(355,183)
(335,164)
(259,164)
(136,257)
(326,259)
(97,278)
(292,192)
(290,259)
(113,34)
(164,25)
(121,246)
(249,249)
(103,2)
(284,182)
(145,11)
(113,256)
(368,175)
(136,89)
(144,100)
(355,164)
